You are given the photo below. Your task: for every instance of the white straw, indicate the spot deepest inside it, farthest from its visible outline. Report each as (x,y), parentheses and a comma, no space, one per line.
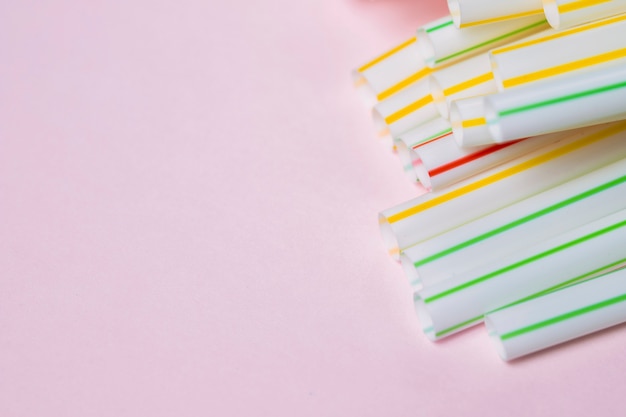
(578,153)
(469,125)
(441,162)
(479,12)
(568,102)
(552,53)
(462,300)
(434,161)
(559,316)
(440,42)
(562,14)
(416,136)
(387,70)
(405,110)
(512,228)
(467,78)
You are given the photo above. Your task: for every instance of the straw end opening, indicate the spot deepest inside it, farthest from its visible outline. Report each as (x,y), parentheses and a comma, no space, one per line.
(411,272)
(424,317)
(495,338)
(389,238)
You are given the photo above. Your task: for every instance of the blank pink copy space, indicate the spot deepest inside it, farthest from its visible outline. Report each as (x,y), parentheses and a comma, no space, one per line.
(188,201)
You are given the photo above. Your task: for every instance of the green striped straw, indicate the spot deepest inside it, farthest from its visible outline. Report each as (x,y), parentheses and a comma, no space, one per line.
(567,102)
(441,43)
(461,301)
(515,227)
(559,316)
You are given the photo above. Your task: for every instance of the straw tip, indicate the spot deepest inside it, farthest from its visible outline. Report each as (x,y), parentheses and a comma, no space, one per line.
(494,335)
(411,272)
(424,317)
(389,238)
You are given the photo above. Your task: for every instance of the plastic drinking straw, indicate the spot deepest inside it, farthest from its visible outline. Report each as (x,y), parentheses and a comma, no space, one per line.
(563,14)
(404,83)
(426,132)
(568,102)
(436,162)
(576,153)
(554,53)
(442,43)
(467,78)
(398,84)
(559,316)
(469,125)
(461,301)
(388,69)
(442,162)
(522,224)
(404,110)
(467,13)
(431,160)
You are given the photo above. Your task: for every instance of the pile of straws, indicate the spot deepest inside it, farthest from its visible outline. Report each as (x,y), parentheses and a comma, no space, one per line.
(511,116)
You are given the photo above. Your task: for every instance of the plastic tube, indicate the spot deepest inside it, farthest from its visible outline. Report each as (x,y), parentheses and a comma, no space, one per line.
(405,110)
(416,76)
(567,102)
(426,132)
(559,316)
(512,228)
(467,78)
(552,53)
(467,117)
(461,301)
(576,153)
(442,43)
(436,160)
(467,13)
(443,162)
(563,14)
(387,70)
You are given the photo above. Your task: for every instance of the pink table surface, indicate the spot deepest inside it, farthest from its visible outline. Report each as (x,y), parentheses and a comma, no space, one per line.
(188,201)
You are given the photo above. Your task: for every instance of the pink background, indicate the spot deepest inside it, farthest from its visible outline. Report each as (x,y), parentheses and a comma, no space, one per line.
(188,200)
